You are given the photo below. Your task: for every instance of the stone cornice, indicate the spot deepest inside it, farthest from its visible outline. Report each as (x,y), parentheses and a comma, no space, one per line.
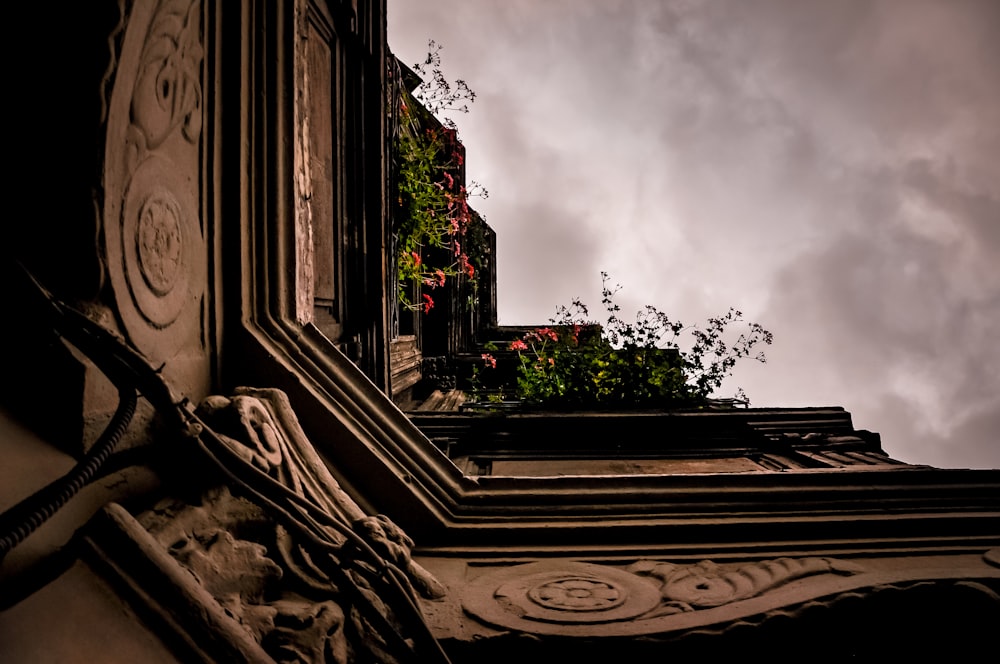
(389,466)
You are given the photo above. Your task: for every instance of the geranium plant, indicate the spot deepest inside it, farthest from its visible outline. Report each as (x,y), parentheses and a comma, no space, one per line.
(433,202)
(577,363)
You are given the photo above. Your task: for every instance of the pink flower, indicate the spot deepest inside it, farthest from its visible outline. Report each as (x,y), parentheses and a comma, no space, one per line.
(416,258)
(490,360)
(440,276)
(450,180)
(518,345)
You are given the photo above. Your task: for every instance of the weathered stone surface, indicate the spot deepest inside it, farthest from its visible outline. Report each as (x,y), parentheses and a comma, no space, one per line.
(651,598)
(154,237)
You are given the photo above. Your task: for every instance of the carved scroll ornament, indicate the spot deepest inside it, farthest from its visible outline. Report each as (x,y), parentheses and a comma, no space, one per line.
(582,598)
(707,584)
(168,88)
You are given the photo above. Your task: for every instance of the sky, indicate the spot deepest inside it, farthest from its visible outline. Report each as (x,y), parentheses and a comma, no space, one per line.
(831,169)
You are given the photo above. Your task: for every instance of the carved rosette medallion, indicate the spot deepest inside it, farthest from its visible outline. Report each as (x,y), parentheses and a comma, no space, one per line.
(563,593)
(159,245)
(159,241)
(578,593)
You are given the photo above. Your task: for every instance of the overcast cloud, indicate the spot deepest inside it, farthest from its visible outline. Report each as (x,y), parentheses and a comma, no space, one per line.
(830,168)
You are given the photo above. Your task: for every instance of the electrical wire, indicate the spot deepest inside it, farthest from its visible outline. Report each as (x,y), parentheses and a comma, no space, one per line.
(24,518)
(131,374)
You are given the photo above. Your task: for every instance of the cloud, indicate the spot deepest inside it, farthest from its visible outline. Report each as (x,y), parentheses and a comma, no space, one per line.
(830,168)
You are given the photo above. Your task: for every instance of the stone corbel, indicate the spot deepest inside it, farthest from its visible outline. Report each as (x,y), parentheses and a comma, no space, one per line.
(284,551)
(260,426)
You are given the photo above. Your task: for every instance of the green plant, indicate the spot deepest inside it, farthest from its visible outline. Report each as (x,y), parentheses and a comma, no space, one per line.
(577,362)
(434,217)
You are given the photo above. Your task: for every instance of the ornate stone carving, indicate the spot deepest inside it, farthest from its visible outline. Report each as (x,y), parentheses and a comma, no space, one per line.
(168,88)
(578,594)
(707,584)
(157,236)
(564,597)
(309,575)
(159,241)
(394,545)
(154,237)
(209,540)
(260,426)
(560,592)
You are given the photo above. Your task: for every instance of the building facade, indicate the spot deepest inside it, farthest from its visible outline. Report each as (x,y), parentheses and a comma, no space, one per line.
(203,460)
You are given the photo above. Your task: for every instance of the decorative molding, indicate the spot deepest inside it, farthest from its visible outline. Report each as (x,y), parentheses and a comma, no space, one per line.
(564,597)
(929,594)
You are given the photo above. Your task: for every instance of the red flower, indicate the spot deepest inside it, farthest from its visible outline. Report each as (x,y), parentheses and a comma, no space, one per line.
(428,303)
(416,258)
(490,360)
(471,271)
(546,332)
(518,345)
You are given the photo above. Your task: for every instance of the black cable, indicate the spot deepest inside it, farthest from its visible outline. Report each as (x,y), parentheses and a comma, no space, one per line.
(24,518)
(130,372)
